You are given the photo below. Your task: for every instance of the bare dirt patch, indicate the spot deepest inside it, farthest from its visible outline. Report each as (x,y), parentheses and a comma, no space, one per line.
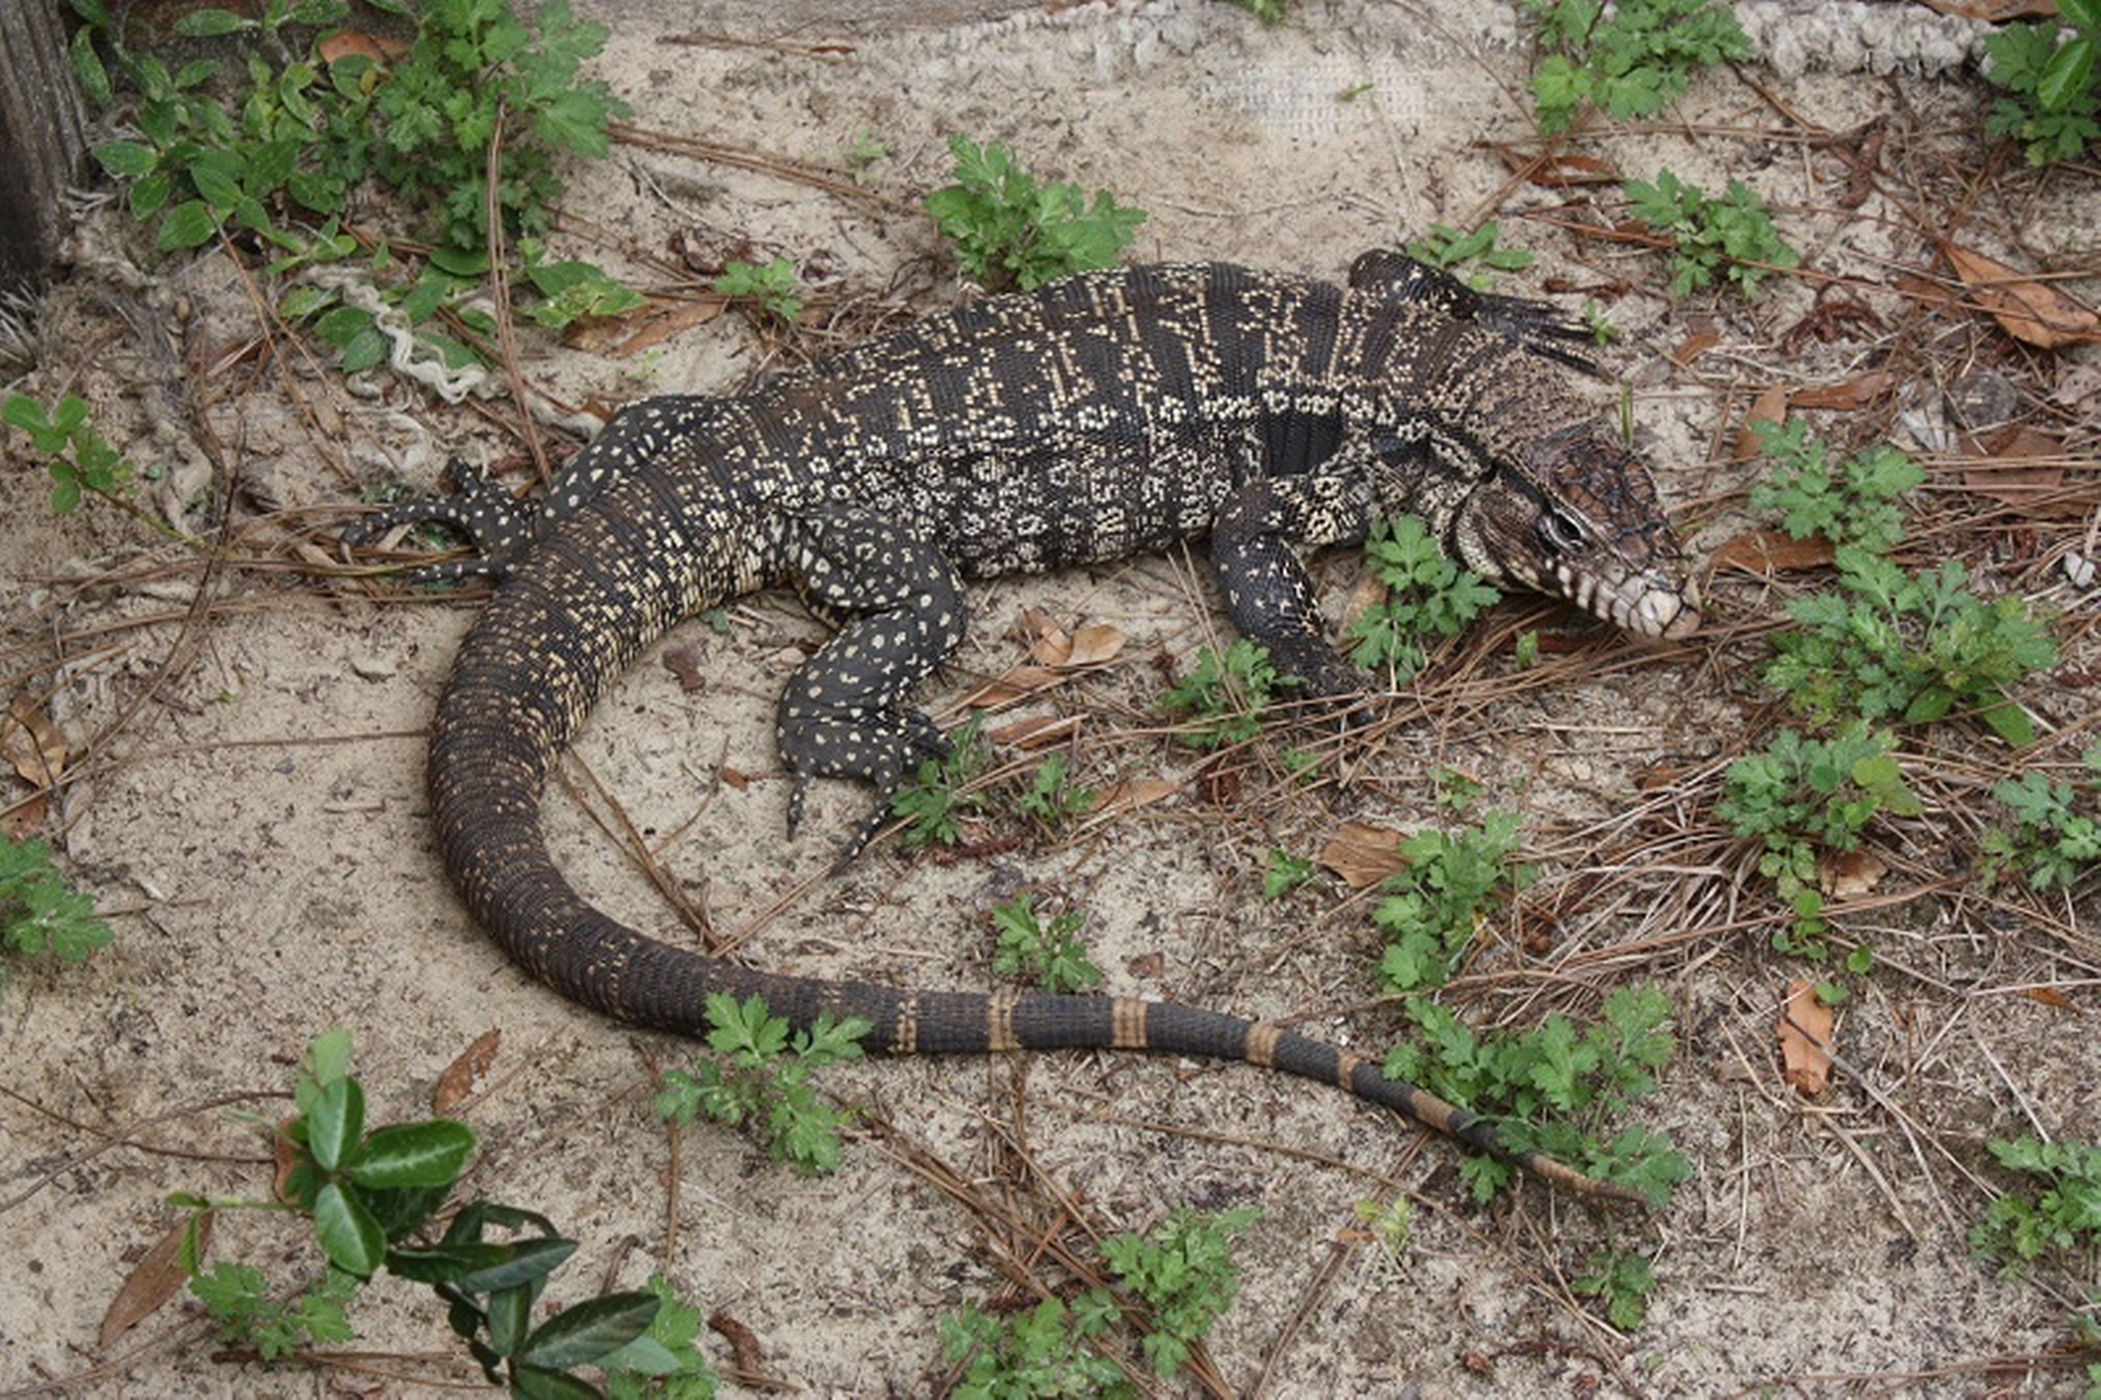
(246,798)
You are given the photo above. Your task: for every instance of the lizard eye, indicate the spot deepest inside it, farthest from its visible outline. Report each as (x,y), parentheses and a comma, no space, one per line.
(1560,531)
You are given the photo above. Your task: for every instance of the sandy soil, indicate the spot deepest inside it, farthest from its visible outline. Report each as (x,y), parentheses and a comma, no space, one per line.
(247,805)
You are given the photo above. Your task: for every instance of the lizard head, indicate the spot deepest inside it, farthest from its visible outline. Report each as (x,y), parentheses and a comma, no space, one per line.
(1577,517)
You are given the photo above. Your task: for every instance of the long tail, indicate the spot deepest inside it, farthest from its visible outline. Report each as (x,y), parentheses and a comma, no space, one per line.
(573,615)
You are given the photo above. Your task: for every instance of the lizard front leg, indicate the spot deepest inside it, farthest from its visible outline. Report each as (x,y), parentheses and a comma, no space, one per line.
(1255,542)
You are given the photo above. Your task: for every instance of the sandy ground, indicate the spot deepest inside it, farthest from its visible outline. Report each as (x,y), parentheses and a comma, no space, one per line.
(248,809)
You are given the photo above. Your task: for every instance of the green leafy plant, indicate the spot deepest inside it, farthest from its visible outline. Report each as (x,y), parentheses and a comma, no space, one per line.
(1010,230)
(1916,647)
(772,287)
(1183,1275)
(940,796)
(1624,1280)
(1284,873)
(1053,798)
(39,916)
(1428,911)
(2052,842)
(2063,1215)
(1632,61)
(1053,957)
(764,1078)
(1268,11)
(575,290)
(79,460)
(1447,248)
(1042,1353)
(1732,237)
(1801,797)
(1546,1089)
(1224,695)
(1388,1222)
(1427,595)
(373,1197)
(2052,101)
(1854,502)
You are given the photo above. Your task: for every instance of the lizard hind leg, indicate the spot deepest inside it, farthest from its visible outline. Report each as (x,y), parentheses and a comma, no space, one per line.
(899,609)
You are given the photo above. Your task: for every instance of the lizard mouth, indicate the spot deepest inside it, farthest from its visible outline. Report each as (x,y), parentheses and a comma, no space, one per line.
(1647,607)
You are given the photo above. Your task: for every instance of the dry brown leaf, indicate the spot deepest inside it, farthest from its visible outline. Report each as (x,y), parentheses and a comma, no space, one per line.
(2050,996)
(1095,643)
(347,43)
(2027,309)
(460,1078)
(1363,854)
(687,663)
(1133,793)
(644,328)
(152,1281)
(1857,392)
(1766,552)
(1570,168)
(31,743)
(1769,407)
(1850,874)
(1993,11)
(1806,1027)
(1015,683)
(1092,644)
(735,778)
(1036,732)
(2021,467)
(1693,346)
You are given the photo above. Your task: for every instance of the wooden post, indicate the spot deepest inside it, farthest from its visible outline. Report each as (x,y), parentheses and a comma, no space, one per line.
(43,132)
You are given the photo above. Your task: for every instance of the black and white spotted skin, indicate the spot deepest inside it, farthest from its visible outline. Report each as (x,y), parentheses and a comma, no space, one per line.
(1111,414)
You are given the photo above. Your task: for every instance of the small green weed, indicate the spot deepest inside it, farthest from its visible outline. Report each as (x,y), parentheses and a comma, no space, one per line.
(1268,11)
(764,1078)
(39,916)
(1388,1222)
(77,457)
(1429,911)
(1623,1280)
(2052,843)
(1852,502)
(940,796)
(1043,1353)
(1182,1277)
(2065,1215)
(1009,230)
(1053,957)
(772,287)
(1543,1086)
(1053,798)
(1801,797)
(1223,696)
(1633,62)
(1448,248)
(1916,647)
(2052,103)
(1284,873)
(372,1197)
(864,150)
(575,290)
(1732,236)
(1427,596)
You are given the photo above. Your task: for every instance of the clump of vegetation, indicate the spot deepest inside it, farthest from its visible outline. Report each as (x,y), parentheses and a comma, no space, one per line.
(2052,842)
(78,458)
(1181,1278)
(1802,798)
(2052,102)
(1223,697)
(1624,1280)
(771,287)
(1631,61)
(372,1196)
(1430,910)
(1427,595)
(2063,1215)
(1053,798)
(1010,230)
(1284,873)
(1916,647)
(1053,957)
(1731,237)
(39,915)
(1547,1088)
(764,1078)
(1853,502)
(1449,249)
(935,802)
